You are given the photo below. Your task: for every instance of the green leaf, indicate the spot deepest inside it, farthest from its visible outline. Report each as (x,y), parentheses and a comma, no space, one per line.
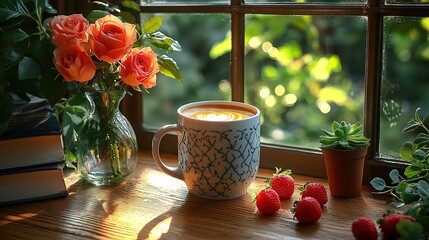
(335,125)
(423,189)
(42,50)
(169,68)
(11,9)
(344,144)
(131,5)
(378,184)
(159,40)
(339,132)
(28,69)
(8,56)
(409,230)
(413,123)
(401,187)
(152,25)
(327,133)
(96,14)
(355,129)
(128,17)
(48,8)
(421,140)
(15,35)
(411,126)
(51,87)
(413,170)
(406,152)
(409,195)
(394,176)
(419,155)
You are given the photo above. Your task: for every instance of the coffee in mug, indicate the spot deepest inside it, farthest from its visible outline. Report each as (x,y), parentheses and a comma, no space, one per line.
(217,112)
(218,148)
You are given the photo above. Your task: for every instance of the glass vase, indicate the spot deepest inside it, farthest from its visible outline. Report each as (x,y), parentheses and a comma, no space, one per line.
(107,145)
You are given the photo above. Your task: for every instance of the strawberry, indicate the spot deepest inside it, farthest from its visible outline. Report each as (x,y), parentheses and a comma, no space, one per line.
(388,225)
(267,201)
(282,183)
(316,190)
(308,210)
(364,228)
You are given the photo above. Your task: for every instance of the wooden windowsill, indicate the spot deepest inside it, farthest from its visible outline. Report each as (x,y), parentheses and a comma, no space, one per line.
(150,204)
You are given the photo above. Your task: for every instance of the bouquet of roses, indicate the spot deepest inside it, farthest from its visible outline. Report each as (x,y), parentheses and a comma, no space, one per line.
(101,60)
(110,42)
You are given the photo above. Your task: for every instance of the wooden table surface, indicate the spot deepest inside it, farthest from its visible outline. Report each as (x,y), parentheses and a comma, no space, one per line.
(152,205)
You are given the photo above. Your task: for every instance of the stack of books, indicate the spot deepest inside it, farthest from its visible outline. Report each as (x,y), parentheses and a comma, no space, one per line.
(31,154)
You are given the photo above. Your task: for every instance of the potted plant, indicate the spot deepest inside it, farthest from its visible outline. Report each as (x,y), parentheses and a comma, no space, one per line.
(344,150)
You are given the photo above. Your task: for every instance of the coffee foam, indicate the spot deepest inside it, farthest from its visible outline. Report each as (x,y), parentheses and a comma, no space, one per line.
(217,113)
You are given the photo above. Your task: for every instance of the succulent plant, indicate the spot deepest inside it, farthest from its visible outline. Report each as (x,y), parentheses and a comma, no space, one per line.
(344,136)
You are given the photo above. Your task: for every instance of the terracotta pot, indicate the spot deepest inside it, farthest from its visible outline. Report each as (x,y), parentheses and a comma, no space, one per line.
(345,171)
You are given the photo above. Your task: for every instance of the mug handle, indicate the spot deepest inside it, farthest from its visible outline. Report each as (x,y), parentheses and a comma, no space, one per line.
(172,171)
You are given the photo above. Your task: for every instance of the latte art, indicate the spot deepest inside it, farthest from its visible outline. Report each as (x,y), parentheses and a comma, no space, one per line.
(220,115)
(217,113)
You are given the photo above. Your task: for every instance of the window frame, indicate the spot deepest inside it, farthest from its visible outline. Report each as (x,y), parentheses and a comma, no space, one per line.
(300,160)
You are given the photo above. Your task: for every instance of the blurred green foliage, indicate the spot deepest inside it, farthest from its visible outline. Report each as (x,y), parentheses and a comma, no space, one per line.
(313,75)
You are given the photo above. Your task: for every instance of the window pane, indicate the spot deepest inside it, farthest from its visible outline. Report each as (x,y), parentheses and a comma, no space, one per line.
(304,72)
(406,1)
(203,62)
(404,80)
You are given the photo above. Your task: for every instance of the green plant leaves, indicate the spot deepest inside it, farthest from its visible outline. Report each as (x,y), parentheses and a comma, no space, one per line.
(28,69)
(394,176)
(152,25)
(423,189)
(412,190)
(409,230)
(11,9)
(15,35)
(378,184)
(131,5)
(169,68)
(161,41)
(413,170)
(343,136)
(96,14)
(406,152)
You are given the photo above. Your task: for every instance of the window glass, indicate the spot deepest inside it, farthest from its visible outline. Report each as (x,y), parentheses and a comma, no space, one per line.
(304,72)
(405,1)
(404,79)
(206,70)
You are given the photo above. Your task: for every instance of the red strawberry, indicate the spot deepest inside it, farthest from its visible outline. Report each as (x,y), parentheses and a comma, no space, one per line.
(364,228)
(268,201)
(315,190)
(307,210)
(388,225)
(282,183)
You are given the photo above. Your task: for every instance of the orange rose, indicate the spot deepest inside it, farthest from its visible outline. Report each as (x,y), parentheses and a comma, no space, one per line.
(68,29)
(74,63)
(110,39)
(140,66)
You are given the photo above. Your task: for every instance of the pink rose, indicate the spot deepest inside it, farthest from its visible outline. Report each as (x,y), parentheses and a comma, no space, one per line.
(140,66)
(74,63)
(110,39)
(68,29)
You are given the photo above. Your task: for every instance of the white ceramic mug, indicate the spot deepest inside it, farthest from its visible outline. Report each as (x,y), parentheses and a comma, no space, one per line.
(217,158)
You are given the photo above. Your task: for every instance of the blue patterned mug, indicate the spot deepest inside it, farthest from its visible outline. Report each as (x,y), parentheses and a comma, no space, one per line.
(218,148)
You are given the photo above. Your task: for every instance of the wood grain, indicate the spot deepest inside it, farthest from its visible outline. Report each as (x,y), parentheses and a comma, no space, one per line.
(152,205)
